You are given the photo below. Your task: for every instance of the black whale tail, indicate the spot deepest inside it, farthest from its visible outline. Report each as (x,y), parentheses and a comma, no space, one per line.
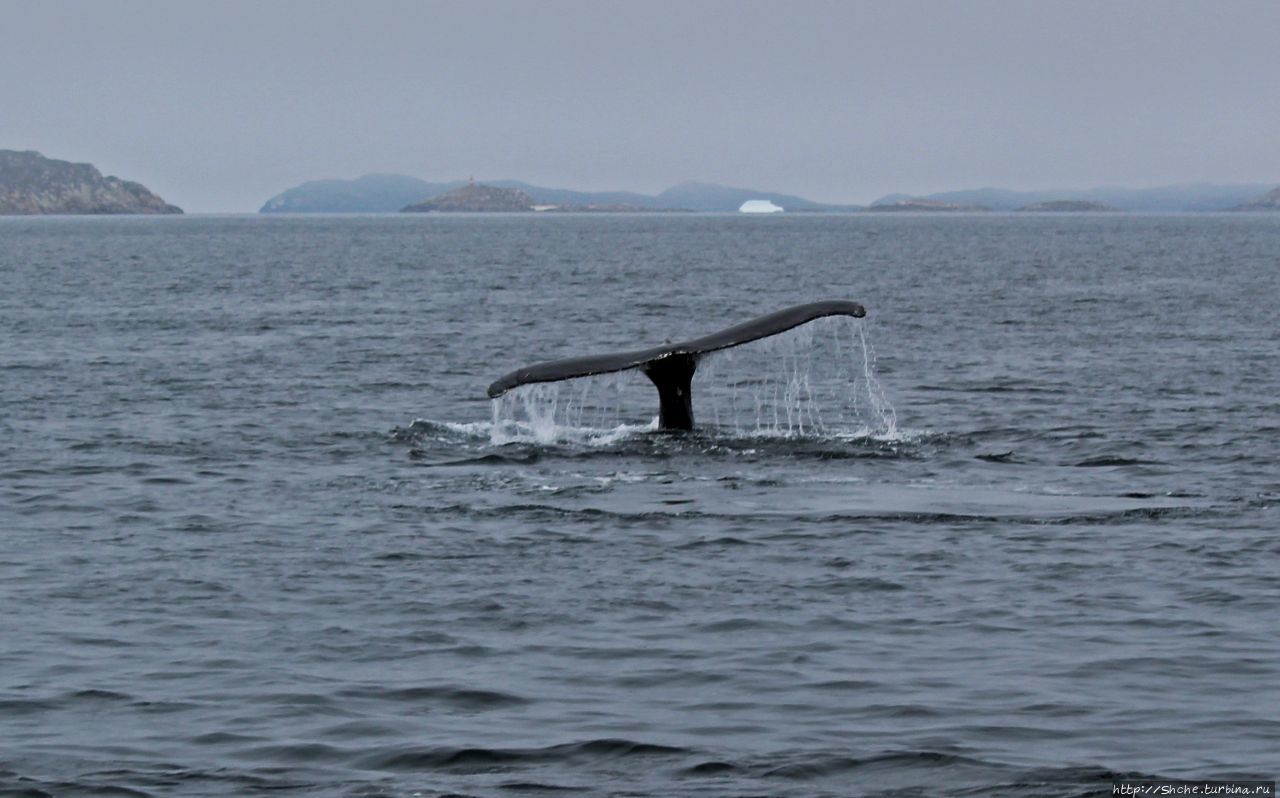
(671,366)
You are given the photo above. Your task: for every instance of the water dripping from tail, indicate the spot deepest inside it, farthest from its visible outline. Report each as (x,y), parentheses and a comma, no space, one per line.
(587,410)
(879,402)
(817,380)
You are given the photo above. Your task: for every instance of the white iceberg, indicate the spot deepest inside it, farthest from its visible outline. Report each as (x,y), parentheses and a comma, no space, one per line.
(759,206)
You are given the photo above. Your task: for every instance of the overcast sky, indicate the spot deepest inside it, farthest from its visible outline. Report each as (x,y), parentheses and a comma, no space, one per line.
(217,106)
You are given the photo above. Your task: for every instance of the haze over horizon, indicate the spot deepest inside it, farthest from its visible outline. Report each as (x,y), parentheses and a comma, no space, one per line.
(218,107)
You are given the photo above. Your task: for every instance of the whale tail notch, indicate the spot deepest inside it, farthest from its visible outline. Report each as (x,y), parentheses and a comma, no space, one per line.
(671,367)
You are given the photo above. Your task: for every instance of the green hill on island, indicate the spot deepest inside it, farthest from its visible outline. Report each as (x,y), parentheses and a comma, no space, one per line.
(31,184)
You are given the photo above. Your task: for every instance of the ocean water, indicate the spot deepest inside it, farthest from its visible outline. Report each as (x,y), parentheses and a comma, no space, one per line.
(262,531)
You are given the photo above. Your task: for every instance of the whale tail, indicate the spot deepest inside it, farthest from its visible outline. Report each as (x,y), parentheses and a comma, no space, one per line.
(671,366)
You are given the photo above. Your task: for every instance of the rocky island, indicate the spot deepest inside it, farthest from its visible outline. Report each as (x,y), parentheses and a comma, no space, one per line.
(475,198)
(1267,202)
(33,184)
(921,204)
(1066,206)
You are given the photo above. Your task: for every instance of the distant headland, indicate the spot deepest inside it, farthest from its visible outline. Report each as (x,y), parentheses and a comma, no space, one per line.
(1267,202)
(31,184)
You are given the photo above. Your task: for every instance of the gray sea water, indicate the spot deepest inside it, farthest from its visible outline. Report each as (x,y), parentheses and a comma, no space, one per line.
(260,533)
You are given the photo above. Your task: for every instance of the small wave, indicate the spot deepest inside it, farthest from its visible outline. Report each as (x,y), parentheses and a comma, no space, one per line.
(452,697)
(24,706)
(165,779)
(846,685)
(1002,457)
(734,625)
(714,767)
(825,766)
(1212,596)
(525,457)
(97,695)
(858,585)
(449,758)
(222,738)
(997,387)
(294,752)
(1102,462)
(726,540)
(920,772)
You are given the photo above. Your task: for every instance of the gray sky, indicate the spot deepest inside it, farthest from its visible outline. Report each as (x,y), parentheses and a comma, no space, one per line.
(219,105)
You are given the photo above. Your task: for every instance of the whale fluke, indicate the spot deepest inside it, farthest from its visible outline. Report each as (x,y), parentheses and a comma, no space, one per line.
(671,366)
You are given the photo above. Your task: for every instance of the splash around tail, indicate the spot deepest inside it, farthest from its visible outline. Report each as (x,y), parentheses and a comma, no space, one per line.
(671,367)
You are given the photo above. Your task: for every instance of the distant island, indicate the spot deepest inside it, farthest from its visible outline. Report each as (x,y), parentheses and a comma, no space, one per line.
(479,198)
(1066,206)
(1267,202)
(929,205)
(374,193)
(388,193)
(31,184)
(382,193)
(1180,198)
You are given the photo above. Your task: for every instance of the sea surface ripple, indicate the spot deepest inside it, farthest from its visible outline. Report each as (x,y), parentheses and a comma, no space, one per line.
(258,535)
